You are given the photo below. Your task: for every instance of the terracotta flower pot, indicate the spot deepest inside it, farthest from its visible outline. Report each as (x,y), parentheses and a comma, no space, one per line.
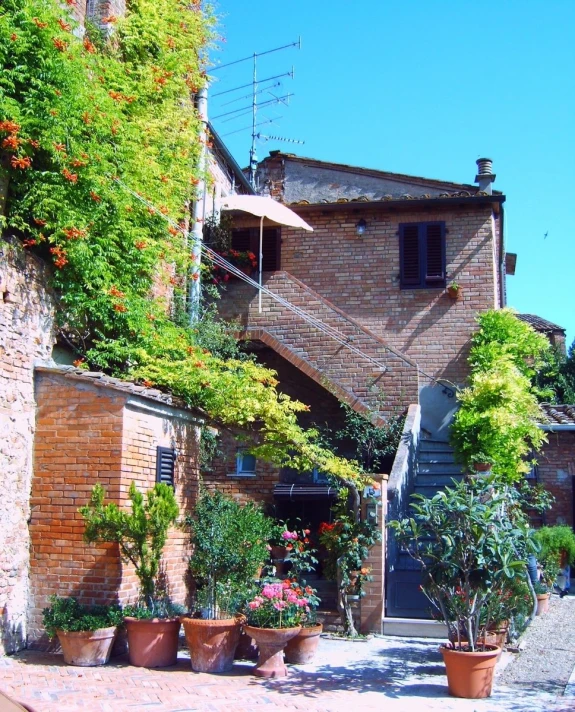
(247,648)
(278,552)
(454,292)
(212,643)
(271,643)
(542,603)
(87,648)
(497,635)
(302,649)
(153,643)
(470,675)
(482,466)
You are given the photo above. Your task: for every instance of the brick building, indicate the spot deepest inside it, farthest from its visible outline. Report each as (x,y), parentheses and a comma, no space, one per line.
(380,330)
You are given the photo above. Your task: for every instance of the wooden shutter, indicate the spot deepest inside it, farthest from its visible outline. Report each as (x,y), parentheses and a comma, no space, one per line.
(435,254)
(270,249)
(165,463)
(410,256)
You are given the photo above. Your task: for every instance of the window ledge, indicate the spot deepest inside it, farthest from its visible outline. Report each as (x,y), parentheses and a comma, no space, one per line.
(241,475)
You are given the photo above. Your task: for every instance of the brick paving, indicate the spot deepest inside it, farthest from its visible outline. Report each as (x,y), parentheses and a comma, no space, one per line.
(393,674)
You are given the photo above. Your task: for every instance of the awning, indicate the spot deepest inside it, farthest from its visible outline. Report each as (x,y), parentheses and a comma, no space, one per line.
(295,491)
(264,207)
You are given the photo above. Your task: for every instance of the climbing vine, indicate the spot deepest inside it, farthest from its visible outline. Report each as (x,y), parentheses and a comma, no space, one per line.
(99,147)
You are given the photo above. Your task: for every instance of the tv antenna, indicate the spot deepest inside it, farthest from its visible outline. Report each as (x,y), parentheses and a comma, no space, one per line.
(256,90)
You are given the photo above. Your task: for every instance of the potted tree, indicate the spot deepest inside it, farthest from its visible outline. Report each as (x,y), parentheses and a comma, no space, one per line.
(468,547)
(86,633)
(229,548)
(153,624)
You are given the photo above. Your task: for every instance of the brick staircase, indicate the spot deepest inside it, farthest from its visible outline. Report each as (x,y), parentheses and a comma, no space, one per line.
(350,375)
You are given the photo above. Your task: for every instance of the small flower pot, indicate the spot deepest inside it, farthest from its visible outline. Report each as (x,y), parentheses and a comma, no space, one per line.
(454,292)
(212,643)
(302,649)
(87,648)
(482,466)
(470,675)
(542,603)
(271,643)
(153,643)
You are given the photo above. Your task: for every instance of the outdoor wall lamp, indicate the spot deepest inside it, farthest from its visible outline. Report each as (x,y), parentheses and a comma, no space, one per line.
(361,227)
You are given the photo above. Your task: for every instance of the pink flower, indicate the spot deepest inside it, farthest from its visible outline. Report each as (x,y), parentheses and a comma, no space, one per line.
(253,605)
(280,605)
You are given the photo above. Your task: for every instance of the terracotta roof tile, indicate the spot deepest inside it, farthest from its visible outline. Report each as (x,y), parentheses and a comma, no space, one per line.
(540,324)
(559,414)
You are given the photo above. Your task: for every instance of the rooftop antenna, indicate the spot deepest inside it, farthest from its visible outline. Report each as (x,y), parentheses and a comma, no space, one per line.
(284,99)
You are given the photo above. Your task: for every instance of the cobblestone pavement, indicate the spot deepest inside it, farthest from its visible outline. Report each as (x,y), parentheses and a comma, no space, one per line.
(387,674)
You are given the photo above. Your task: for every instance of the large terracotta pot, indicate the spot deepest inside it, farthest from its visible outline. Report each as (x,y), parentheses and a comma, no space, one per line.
(246,649)
(470,675)
(271,643)
(153,643)
(542,603)
(212,643)
(87,648)
(302,649)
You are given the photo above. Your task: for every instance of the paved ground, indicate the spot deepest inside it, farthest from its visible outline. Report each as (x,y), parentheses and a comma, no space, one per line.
(387,674)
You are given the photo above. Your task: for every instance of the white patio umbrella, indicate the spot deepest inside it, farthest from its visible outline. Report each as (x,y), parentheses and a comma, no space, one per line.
(264,207)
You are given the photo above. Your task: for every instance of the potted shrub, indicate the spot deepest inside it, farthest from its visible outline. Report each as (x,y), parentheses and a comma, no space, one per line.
(153,624)
(274,617)
(468,546)
(86,633)
(229,548)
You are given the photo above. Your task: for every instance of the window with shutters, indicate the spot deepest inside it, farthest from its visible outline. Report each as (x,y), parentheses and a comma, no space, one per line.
(249,239)
(422,255)
(165,464)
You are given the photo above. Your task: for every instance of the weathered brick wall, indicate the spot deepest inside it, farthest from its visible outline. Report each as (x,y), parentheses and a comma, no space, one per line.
(557,473)
(26,334)
(88,434)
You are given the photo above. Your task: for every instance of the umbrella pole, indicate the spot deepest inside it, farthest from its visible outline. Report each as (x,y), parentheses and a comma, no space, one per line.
(261,261)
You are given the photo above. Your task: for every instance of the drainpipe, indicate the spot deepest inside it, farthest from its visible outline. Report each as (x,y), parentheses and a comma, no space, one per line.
(197,232)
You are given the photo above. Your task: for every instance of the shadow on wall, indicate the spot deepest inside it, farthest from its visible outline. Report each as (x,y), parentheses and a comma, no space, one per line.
(12,635)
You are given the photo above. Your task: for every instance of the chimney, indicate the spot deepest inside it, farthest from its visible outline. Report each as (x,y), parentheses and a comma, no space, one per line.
(485,176)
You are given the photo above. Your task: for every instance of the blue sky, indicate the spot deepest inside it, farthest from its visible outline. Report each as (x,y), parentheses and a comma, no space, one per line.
(426,87)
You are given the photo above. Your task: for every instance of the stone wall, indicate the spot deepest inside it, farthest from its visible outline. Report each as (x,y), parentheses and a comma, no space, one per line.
(557,473)
(26,334)
(86,434)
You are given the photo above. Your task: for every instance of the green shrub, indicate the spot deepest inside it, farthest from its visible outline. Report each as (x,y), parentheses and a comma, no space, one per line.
(70,616)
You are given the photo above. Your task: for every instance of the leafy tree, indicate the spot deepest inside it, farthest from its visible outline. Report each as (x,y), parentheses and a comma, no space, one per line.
(141,533)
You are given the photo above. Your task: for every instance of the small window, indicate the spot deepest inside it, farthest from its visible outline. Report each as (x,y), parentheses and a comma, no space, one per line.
(165,465)
(422,255)
(245,463)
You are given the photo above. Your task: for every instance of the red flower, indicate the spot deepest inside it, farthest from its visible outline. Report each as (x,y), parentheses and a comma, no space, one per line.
(64,25)
(74,233)
(109,20)
(120,308)
(78,362)
(13,37)
(95,197)
(173,231)
(140,245)
(196,276)
(60,45)
(39,221)
(60,255)
(33,143)
(115,292)
(72,3)
(72,177)
(11,142)
(89,46)
(21,163)
(59,147)
(9,126)
(39,24)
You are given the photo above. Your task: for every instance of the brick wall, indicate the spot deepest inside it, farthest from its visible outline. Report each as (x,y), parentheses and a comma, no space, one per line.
(26,333)
(88,434)
(360,276)
(556,473)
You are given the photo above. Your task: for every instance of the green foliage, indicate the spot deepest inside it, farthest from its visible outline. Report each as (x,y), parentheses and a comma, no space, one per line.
(70,616)
(141,533)
(554,543)
(497,421)
(347,541)
(469,545)
(230,545)
(369,445)
(100,141)
(557,376)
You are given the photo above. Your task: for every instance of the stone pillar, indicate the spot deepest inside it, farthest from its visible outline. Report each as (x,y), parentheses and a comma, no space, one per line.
(373,603)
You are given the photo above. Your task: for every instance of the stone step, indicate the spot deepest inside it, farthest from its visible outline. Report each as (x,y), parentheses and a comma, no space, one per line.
(440,468)
(437,480)
(435,446)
